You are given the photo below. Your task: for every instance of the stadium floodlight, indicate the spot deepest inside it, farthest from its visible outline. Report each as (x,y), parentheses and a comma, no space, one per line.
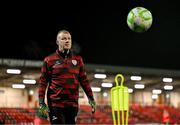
(168,87)
(154,96)
(18,86)
(139,86)
(167,79)
(100,76)
(156,91)
(130,90)
(13,71)
(108,85)
(96,89)
(136,78)
(167,95)
(28,81)
(105,94)
(31,92)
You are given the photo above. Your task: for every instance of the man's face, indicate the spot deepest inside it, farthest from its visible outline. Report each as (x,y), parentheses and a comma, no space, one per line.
(64,40)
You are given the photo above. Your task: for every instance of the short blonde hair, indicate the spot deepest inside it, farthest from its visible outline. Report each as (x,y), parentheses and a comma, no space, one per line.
(62,31)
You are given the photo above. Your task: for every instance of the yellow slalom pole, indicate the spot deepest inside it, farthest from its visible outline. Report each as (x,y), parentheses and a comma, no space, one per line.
(120,101)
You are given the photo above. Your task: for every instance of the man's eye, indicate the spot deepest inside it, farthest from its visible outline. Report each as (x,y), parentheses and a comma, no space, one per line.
(63,39)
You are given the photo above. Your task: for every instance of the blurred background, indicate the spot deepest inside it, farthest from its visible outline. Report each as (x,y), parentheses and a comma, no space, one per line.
(149,61)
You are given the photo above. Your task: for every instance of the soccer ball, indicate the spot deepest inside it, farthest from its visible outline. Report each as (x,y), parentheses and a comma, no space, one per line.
(139,19)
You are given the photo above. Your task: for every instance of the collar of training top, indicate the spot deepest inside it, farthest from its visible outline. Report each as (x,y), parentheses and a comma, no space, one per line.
(64,53)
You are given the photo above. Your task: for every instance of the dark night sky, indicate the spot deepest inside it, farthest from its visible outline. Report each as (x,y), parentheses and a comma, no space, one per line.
(100,29)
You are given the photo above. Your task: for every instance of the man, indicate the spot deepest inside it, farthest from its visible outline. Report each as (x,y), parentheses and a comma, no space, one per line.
(64,72)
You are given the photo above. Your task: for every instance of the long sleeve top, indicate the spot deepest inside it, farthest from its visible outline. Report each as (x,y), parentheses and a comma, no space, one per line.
(62,75)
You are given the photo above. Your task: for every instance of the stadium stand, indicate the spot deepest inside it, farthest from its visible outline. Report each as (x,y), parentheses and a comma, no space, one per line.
(137,115)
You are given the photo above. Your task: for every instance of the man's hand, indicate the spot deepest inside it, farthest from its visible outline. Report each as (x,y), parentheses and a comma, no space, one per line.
(43,111)
(93,105)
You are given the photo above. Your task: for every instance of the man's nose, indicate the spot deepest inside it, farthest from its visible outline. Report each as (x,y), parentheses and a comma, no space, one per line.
(67,41)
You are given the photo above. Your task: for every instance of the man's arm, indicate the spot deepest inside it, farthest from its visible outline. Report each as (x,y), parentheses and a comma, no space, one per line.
(44,79)
(85,85)
(43,83)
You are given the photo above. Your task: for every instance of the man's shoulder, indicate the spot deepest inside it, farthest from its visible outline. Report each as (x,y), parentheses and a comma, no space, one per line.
(50,57)
(78,57)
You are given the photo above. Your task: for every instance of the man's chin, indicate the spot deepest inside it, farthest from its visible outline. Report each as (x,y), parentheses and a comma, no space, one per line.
(67,48)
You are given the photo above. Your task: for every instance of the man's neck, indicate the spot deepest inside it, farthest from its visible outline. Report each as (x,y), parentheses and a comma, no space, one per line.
(65,51)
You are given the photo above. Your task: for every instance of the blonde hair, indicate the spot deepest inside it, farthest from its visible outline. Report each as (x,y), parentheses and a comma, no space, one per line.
(62,31)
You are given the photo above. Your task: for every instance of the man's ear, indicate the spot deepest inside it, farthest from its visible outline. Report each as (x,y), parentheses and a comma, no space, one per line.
(57,42)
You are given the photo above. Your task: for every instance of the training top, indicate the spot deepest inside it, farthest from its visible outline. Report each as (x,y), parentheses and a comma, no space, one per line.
(63,74)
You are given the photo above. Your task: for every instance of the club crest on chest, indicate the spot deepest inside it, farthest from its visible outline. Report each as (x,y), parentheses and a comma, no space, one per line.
(74,62)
